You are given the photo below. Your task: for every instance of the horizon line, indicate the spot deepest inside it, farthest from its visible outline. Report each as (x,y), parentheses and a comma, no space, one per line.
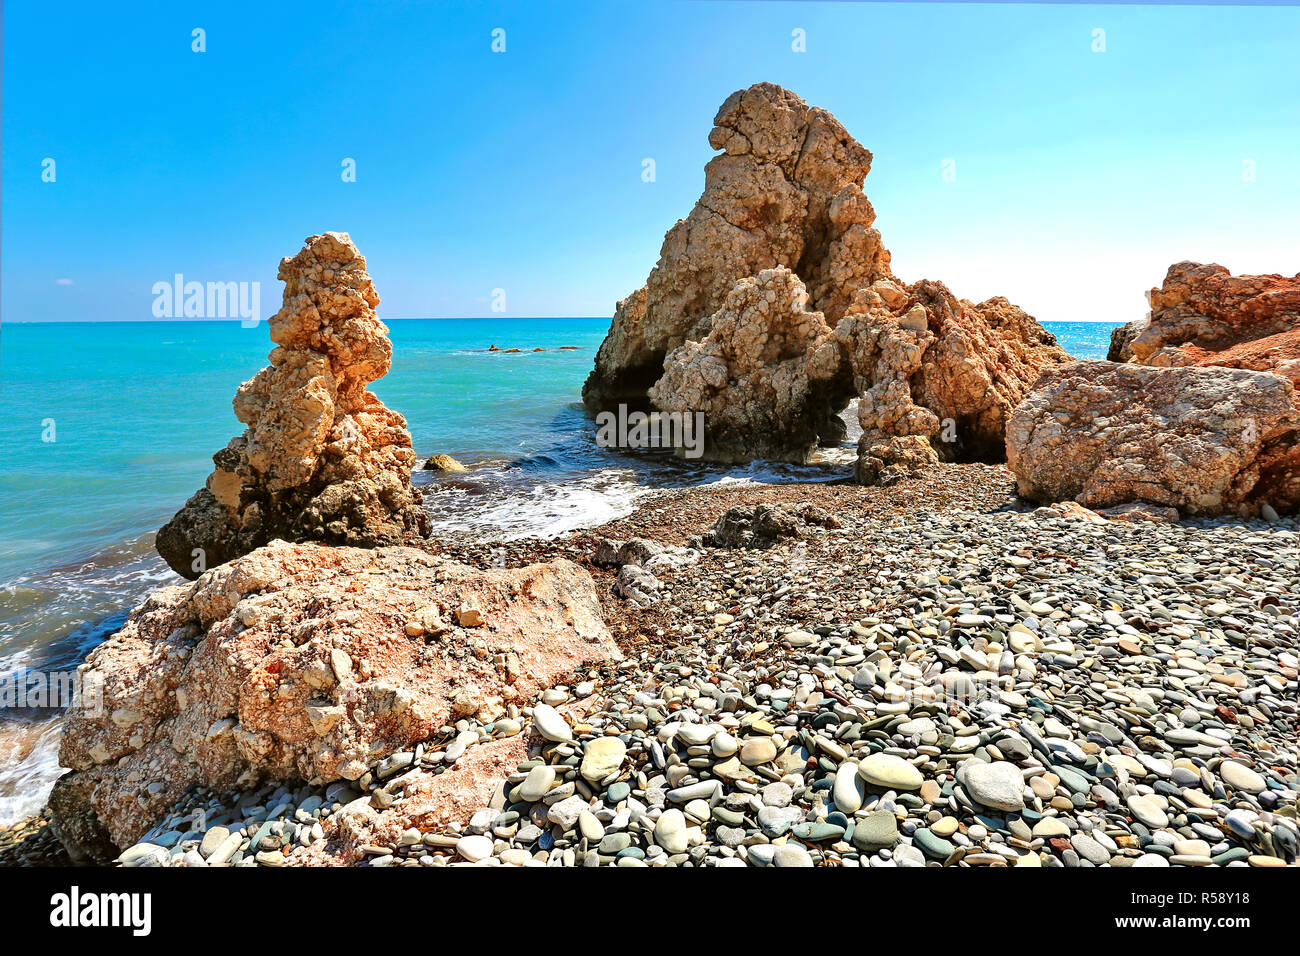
(408,318)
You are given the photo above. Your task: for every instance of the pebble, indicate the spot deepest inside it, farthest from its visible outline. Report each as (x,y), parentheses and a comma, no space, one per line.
(890,772)
(550,724)
(602,757)
(474,848)
(998,785)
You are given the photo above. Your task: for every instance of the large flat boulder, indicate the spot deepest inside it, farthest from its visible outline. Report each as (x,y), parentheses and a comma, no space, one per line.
(312,663)
(1204,440)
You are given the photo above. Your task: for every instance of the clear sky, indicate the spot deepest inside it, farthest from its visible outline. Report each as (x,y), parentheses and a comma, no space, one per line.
(1080,175)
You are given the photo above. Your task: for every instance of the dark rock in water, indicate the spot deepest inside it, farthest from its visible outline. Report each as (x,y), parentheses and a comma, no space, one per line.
(763,525)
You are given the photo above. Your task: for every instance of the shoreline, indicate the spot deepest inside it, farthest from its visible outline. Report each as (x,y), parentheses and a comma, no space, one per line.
(884,636)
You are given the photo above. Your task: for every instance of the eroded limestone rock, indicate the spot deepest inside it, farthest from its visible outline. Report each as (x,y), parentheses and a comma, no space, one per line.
(767,373)
(305,662)
(1204,315)
(1204,440)
(786,190)
(322,459)
(937,376)
(735,318)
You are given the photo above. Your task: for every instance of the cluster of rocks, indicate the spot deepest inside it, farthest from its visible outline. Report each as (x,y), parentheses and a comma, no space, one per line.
(773,305)
(307,662)
(762,526)
(322,458)
(972,686)
(1202,415)
(636,562)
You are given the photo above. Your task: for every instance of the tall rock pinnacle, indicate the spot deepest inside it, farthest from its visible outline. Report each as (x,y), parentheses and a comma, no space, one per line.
(322,459)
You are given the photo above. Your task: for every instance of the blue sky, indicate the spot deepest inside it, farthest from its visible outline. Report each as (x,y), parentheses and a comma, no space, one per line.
(1080,176)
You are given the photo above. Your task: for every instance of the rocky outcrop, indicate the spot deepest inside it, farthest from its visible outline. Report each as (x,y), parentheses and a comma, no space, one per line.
(1121,340)
(786,190)
(1241,458)
(767,373)
(937,376)
(744,316)
(322,459)
(1204,440)
(1204,315)
(303,662)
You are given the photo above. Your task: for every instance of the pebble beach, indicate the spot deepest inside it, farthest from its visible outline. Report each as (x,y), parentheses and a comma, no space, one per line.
(933,673)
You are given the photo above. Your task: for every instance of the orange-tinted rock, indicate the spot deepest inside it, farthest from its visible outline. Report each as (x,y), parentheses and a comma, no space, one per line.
(938,376)
(786,195)
(1204,315)
(1201,317)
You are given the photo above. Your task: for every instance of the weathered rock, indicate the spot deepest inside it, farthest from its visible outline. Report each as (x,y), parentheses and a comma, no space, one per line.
(637,585)
(1203,440)
(298,662)
(1140,511)
(785,191)
(443,463)
(322,459)
(1121,340)
(1204,315)
(937,375)
(764,525)
(766,374)
(736,316)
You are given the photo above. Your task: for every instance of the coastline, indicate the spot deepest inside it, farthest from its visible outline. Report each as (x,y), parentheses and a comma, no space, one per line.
(1114,712)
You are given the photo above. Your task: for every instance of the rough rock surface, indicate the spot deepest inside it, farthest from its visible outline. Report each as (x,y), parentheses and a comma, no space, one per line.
(1121,340)
(938,376)
(736,318)
(322,459)
(767,373)
(785,191)
(1204,315)
(305,662)
(1204,440)
(764,525)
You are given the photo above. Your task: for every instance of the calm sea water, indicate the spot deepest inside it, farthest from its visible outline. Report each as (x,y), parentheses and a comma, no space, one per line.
(109,427)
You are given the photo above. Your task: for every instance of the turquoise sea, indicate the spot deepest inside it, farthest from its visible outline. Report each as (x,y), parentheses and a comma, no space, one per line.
(109,427)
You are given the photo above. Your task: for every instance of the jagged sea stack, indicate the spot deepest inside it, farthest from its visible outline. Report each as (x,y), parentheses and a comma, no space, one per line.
(322,459)
(773,304)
